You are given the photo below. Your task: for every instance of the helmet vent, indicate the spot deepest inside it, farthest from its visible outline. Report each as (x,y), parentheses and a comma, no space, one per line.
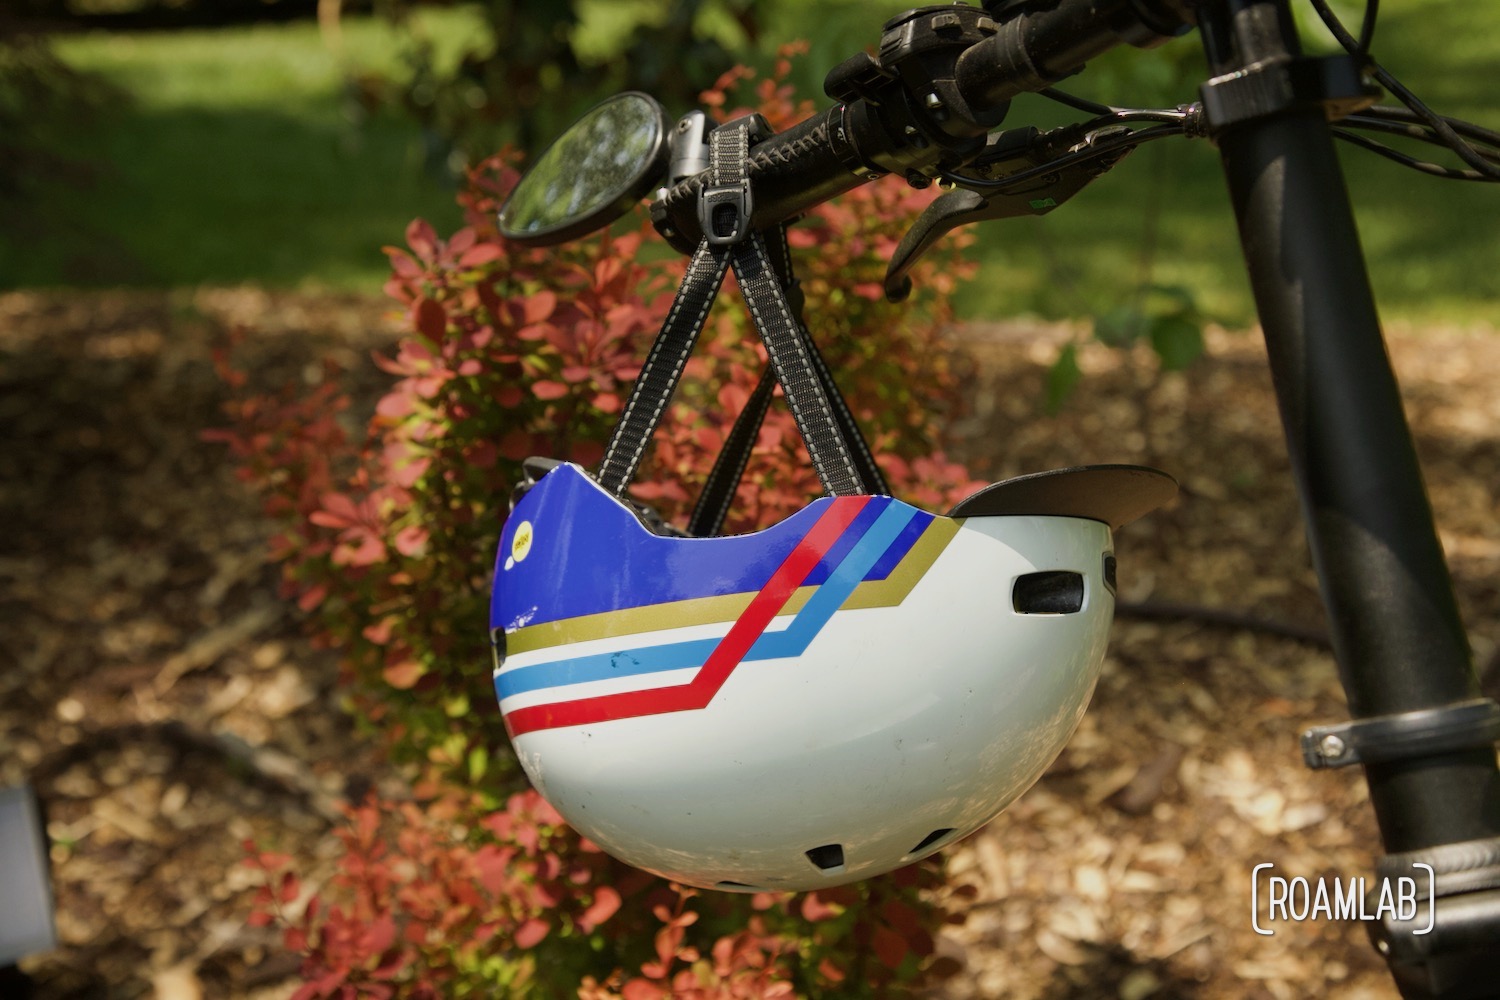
(1054,592)
(828,858)
(931,839)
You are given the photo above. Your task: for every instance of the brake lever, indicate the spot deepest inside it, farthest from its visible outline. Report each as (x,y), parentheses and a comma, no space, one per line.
(1010,152)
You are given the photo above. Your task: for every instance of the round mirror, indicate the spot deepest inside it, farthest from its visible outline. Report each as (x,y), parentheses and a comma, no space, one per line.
(604,163)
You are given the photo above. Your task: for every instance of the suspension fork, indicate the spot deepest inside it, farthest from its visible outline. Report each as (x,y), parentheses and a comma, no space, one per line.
(1419,726)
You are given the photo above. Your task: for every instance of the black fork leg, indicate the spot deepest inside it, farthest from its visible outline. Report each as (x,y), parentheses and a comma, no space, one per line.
(1397,634)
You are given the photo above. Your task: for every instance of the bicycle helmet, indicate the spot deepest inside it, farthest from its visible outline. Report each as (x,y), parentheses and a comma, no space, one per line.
(815,703)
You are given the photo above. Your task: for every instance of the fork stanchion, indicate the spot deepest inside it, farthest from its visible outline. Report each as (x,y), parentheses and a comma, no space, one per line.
(1397,635)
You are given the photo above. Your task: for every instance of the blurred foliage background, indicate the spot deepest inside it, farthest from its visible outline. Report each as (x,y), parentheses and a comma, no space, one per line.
(165,143)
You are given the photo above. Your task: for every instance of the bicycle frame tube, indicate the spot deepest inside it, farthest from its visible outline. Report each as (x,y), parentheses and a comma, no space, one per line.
(1397,635)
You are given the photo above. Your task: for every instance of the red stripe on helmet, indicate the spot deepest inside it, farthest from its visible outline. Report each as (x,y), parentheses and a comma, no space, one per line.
(697,693)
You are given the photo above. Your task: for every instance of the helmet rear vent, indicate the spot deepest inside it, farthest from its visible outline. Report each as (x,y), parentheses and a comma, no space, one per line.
(931,839)
(1054,592)
(828,858)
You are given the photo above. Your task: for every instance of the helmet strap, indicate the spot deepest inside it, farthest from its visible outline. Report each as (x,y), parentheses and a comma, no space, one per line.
(763,269)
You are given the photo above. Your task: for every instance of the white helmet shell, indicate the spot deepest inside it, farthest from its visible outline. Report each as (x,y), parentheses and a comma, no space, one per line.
(809,705)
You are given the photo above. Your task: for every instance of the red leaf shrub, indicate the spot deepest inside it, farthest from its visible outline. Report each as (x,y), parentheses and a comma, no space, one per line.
(389,544)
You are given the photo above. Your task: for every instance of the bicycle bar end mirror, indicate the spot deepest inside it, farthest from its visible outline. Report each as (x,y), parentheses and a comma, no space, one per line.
(591,174)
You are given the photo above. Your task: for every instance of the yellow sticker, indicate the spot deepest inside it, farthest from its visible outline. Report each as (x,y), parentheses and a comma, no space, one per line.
(520,546)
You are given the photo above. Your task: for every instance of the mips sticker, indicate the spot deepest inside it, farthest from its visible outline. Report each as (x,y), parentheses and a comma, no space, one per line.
(520,545)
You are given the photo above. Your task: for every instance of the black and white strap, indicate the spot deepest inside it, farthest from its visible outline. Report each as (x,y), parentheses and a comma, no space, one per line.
(839,454)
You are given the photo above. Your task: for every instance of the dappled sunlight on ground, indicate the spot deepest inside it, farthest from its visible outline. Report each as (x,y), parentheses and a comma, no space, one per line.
(163,702)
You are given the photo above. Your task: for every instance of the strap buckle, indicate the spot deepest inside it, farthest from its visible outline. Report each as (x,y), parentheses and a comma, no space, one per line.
(725,206)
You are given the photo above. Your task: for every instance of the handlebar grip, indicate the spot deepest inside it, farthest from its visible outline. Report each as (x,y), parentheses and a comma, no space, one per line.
(1042,44)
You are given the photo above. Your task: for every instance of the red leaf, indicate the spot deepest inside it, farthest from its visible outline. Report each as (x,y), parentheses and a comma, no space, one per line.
(530,934)
(492,862)
(381,934)
(606,904)
(389,365)
(490,299)
(411,540)
(890,947)
(338,511)
(549,390)
(359,546)
(403,675)
(430,319)
(421,237)
(641,989)
(478,256)
(539,306)
(902,918)
(398,290)
(461,240)
(401,263)
(380,631)
(396,405)
(312,597)
(814,908)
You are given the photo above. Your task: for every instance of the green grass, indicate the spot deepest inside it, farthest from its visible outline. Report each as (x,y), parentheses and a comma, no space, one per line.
(238,158)
(238,161)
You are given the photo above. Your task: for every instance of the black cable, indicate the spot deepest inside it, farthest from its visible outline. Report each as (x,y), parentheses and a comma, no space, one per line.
(1076,102)
(1104,146)
(1438,124)
(1127,116)
(1407,131)
(1367,29)
(1340,33)
(1433,169)
(1478,133)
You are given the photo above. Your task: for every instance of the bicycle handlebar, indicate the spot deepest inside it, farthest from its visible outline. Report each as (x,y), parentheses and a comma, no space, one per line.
(942,81)
(1040,46)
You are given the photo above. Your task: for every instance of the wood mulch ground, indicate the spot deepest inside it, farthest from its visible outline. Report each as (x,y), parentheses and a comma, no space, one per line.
(161,698)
